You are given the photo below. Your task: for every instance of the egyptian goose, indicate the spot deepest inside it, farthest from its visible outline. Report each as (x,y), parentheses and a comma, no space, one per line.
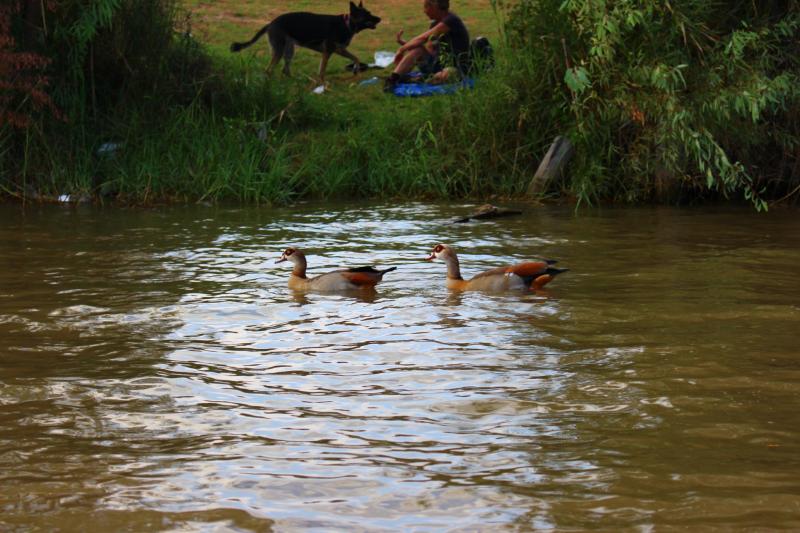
(531,275)
(338,280)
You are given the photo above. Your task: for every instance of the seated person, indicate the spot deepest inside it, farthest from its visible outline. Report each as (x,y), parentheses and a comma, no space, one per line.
(442,52)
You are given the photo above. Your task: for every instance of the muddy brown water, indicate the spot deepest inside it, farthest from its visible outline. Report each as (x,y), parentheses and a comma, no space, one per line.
(157,374)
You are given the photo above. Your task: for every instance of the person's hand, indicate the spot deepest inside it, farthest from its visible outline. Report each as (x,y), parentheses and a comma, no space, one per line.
(399,38)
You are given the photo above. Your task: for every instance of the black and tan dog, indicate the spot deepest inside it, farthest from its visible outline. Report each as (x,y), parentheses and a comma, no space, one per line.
(327,34)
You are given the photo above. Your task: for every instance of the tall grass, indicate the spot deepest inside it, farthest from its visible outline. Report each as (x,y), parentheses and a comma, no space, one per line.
(272,141)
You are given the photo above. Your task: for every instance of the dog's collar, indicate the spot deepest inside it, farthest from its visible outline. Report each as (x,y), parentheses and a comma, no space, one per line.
(347,21)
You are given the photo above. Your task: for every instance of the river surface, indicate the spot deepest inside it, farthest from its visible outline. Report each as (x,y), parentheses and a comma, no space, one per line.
(156,373)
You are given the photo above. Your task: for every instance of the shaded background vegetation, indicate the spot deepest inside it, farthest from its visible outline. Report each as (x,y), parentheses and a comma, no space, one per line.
(664,98)
(664,102)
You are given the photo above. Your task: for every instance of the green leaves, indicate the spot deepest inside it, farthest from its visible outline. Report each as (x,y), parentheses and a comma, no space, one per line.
(577,79)
(704,93)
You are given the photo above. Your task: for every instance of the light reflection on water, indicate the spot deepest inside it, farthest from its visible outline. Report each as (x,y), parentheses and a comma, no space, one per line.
(156,373)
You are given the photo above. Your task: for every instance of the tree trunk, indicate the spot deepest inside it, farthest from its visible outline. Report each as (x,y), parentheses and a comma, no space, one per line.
(553,165)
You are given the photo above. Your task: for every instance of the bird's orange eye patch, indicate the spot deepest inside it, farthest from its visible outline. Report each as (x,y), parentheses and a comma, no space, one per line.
(438,248)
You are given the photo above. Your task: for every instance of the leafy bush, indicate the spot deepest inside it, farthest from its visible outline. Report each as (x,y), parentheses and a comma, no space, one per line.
(23,78)
(662,98)
(96,64)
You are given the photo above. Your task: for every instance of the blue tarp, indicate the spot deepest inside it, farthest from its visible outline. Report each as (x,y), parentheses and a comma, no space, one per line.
(426,89)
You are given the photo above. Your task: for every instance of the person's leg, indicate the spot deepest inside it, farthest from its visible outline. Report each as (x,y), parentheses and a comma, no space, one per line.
(409,61)
(406,65)
(425,57)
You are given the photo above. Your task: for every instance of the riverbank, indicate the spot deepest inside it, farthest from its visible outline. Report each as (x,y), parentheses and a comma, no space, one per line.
(206,125)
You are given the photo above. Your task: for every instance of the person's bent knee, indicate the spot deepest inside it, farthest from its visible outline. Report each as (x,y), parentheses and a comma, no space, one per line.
(418,52)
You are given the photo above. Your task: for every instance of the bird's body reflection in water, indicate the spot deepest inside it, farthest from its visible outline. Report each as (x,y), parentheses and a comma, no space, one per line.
(359,295)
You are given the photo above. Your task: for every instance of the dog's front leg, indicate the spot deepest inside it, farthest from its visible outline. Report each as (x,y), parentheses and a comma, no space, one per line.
(356,63)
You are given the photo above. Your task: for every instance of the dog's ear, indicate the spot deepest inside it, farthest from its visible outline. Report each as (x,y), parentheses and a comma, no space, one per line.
(361,4)
(352,6)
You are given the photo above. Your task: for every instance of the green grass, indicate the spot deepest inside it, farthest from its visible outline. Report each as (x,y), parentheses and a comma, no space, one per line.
(351,142)
(217,24)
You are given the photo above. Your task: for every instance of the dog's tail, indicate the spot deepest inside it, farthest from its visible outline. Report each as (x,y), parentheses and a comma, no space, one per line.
(235,47)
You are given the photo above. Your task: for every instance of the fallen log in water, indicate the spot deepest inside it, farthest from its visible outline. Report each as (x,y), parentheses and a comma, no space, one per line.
(488,211)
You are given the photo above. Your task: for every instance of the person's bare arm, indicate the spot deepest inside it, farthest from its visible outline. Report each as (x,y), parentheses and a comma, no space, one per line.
(421,39)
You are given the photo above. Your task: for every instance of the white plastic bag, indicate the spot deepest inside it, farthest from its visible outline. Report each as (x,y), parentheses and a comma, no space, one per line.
(384,58)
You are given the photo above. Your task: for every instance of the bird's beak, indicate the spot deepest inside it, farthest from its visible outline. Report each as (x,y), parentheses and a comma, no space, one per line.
(281,260)
(431,257)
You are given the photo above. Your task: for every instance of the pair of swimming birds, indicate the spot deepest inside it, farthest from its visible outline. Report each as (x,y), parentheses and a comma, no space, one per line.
(531,275)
